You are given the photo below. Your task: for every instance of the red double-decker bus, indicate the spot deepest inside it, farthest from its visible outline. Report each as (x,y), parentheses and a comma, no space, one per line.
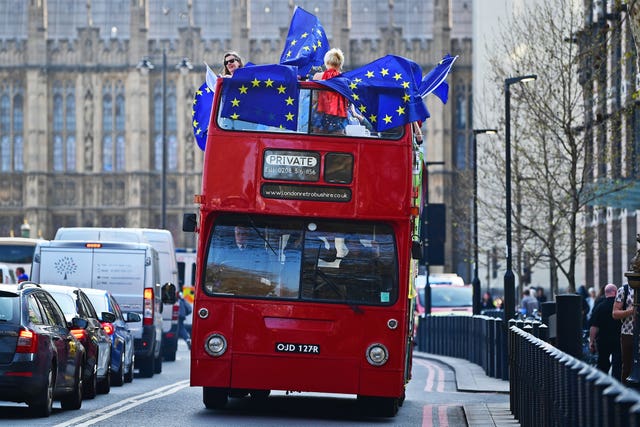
(304,260)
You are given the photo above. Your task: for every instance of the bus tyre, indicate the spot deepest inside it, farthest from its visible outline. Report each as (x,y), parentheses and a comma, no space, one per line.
(146,366)
(379,406)
(215,398)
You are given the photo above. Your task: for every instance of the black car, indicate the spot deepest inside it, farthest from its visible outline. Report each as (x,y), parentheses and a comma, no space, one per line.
(97,343)
(40,359)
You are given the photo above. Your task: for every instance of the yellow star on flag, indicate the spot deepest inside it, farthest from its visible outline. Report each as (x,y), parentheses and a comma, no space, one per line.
(290,117)
(369,74)
(400,110)
(243,89)
(269,83)
(384,71)
(195,124)
(255,82)
(235,102)
(373,118)
(281,89)
(289,101)
(397,76)
(387,119)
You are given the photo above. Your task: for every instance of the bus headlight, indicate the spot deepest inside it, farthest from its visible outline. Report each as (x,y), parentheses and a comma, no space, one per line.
(216,345)
(377,354)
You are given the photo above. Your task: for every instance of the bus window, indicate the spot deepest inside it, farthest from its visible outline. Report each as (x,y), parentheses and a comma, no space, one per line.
(325,261)
(308,114)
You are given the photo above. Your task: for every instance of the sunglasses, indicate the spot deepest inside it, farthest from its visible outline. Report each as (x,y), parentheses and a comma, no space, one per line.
(230,61)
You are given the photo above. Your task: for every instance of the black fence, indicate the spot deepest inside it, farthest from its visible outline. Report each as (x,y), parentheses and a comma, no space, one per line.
(548,387)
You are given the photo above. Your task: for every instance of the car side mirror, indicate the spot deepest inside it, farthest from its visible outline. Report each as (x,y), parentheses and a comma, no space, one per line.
(131,317)
(169,293)
(189,222)
(79,323)
(416,250)
(107,316)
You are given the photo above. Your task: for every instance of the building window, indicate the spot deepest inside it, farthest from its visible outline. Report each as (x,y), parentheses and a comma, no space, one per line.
(64,127)
(113,127)
(172,127)
(11,129)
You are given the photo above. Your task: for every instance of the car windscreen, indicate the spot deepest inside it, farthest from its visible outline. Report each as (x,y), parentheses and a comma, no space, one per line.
(451,296)
(66,303)
(9,308)
(99,301)
(16,254)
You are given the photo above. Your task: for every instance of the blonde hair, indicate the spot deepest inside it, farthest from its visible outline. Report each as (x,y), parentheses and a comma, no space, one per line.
(334,58)
(235,54)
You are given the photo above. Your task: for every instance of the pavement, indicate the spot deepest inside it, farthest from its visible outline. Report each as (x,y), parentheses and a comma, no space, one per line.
(471,378)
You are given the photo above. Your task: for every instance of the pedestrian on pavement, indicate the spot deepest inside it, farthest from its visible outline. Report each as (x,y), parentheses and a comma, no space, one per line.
(604,334)
(540,296)
(529,303)
(487,302)
(183,311)
(623,310)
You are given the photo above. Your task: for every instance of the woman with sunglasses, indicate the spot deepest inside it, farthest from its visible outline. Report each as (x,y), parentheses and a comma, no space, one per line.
(232,62)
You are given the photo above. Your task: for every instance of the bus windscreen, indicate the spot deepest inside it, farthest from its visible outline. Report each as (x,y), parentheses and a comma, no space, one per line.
(307,260)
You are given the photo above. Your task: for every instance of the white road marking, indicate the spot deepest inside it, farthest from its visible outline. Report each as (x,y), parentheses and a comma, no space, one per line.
(124,405)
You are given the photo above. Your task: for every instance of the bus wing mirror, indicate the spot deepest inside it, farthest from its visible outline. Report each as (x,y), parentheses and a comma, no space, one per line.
(169,293)
(189,222)
(416,250)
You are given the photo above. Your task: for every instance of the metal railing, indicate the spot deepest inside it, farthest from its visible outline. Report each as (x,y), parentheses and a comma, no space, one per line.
(548,387)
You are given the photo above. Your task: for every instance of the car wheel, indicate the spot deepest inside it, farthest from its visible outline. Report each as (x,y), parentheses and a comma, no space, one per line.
(128,376)
(74,399)
(91,384)
(379,406)
(42,405)
(146,366)
(158,364)
(170,356)
(215,398)
(104,385)
(117,377)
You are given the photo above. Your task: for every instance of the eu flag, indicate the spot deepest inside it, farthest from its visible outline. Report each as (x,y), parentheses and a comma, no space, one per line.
(306,42)
(434,82)
(385,91)
(201,110)
(263,94)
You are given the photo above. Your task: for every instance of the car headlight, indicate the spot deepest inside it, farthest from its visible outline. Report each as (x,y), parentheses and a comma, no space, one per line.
(216,345)
(377,354)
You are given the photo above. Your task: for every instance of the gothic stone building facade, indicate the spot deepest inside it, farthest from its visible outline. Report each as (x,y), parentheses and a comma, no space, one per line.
(81,122)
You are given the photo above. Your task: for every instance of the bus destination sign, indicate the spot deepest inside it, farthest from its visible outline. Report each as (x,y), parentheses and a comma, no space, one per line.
(289,165)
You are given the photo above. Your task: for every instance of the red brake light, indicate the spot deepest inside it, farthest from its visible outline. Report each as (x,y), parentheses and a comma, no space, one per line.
(176,312)
(79,333)
(27,342)
(108,328)
(93,245)
(148,307)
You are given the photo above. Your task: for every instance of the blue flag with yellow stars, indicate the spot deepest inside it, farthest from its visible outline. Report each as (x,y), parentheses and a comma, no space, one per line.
(263,94)
(201,109)
(306,42)
(385,91)
(434,82)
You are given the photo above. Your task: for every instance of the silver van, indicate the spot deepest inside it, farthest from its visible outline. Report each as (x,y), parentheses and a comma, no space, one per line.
(162,241)
(130,271)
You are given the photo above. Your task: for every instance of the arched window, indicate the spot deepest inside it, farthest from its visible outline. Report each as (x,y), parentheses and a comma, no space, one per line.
(11,128)
(64,127)
(172,127)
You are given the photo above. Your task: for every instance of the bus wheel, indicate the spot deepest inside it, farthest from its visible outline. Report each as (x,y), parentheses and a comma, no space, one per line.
(214,398)
(260,394)
(379,406)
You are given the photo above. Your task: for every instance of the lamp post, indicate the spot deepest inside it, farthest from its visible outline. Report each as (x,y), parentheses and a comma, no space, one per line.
(509,278)
(476,278)
(145,66)
(425,237)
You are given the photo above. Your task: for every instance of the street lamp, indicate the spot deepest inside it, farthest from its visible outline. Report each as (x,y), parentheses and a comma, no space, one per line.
(145,65)
(476,278)
(509,278)
(425,237)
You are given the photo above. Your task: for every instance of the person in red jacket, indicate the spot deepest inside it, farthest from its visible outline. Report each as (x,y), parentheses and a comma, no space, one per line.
(332,107)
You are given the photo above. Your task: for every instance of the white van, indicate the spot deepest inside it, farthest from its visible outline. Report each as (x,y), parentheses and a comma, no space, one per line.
(162,242)
(130,271)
